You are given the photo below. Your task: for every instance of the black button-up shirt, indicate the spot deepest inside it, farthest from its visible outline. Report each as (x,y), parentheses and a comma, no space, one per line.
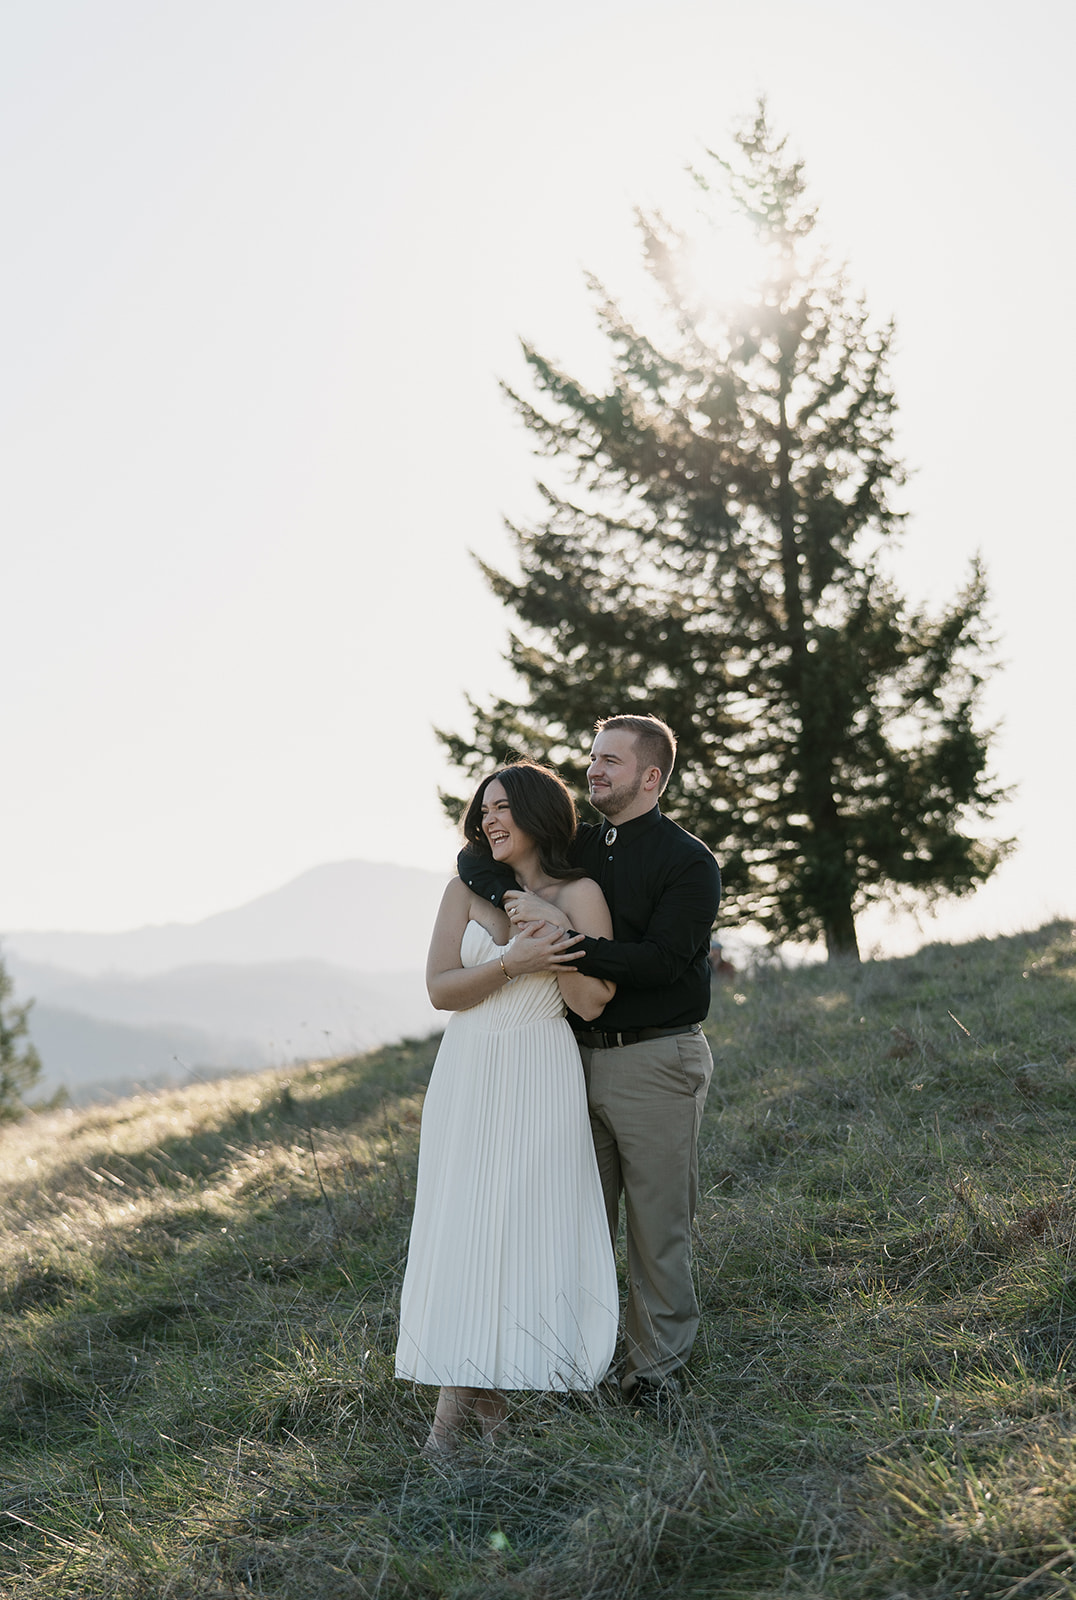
(663,888)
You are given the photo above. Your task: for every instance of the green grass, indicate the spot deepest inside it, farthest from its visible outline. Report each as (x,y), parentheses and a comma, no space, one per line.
(198,1298)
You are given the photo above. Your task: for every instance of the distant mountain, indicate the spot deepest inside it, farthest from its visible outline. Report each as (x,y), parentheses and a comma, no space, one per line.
(97,1061)
(330,963)
(364,915)
(285,1009)
(93,1032)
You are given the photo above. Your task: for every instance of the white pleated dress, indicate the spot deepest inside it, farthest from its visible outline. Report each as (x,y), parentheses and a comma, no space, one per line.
(510,1280)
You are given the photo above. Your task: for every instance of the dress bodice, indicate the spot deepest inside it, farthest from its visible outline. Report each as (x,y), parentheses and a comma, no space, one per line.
(532,997)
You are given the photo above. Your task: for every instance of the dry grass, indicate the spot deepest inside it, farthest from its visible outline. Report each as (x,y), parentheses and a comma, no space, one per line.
(197,1312)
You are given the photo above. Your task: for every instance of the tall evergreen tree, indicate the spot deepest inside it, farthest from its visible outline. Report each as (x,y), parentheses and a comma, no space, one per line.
(719,562)
(20,1066)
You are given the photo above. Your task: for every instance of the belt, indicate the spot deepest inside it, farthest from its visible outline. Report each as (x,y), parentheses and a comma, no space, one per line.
(596,1039)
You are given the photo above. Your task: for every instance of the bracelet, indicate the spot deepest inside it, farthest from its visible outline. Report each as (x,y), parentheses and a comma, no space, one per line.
(506,972)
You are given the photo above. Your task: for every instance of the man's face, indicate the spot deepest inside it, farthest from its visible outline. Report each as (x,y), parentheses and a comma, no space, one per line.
(614,775)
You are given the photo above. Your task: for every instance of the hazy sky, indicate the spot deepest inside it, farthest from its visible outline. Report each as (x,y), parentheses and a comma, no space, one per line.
(264,263)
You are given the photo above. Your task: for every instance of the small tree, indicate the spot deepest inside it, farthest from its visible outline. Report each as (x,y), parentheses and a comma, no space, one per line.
(20,1066)
(720,564)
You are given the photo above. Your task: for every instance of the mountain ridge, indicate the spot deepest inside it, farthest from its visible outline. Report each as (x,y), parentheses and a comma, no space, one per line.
(368,916)
(326,965)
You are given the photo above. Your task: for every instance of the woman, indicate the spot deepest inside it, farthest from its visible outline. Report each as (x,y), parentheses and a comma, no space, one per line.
(510,1280)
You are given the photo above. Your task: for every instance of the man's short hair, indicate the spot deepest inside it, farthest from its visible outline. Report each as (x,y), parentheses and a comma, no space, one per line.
(655,741)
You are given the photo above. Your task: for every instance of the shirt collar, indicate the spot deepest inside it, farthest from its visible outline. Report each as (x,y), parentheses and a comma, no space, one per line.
(627,832)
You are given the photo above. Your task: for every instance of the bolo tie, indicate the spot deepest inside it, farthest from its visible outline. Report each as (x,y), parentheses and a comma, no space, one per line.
(606,875)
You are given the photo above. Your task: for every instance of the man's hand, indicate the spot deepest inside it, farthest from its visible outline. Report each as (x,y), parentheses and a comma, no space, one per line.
(524,907)
(542,947)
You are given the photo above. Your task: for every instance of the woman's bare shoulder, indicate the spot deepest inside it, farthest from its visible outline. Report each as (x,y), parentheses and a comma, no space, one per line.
(581,895)
(465,906)
(457,895)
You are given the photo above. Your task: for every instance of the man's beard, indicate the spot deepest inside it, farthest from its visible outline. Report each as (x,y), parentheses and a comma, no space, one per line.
(611,802)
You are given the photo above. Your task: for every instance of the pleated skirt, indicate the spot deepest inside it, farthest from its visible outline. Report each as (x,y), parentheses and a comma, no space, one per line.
(510,1280)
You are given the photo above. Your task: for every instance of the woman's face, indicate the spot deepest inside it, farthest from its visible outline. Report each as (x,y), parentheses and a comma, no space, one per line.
(506,841)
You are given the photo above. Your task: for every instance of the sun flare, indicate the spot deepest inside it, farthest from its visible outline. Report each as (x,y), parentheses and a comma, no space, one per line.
(725,265)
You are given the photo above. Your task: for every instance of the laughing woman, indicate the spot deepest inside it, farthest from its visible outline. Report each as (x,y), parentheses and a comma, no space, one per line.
(510,1281)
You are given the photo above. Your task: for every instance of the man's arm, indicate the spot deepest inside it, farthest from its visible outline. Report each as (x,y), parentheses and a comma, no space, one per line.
(678,928)
(488,878)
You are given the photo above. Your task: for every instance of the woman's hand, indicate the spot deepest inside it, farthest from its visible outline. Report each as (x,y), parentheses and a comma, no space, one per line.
(524,906)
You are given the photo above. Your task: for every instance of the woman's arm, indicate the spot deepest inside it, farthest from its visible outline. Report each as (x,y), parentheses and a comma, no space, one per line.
(453,987)
(584,904)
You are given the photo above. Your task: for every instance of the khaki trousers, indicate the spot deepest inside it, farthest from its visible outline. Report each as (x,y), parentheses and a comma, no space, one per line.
(646,1102)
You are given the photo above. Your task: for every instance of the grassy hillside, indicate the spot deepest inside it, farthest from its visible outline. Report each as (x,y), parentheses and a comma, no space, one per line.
(197,1311)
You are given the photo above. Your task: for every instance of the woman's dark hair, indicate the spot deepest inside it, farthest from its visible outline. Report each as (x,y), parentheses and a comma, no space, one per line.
(541,806)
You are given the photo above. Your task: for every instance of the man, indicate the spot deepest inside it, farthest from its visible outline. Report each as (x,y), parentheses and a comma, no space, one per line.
(648,1065)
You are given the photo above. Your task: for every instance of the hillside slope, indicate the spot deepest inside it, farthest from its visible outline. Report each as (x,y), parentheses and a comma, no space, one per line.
(198,1296)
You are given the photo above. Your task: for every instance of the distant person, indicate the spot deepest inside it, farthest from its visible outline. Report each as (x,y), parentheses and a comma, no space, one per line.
(720,966)
(510,1280)
(647,1063)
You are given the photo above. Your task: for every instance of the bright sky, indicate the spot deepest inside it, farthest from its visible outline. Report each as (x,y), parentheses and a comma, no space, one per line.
(264,263)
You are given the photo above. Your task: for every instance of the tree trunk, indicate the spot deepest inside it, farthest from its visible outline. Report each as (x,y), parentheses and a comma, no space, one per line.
(841,941)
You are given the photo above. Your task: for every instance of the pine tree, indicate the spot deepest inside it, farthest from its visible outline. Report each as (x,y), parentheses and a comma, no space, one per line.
(720,563)
(20,1066)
